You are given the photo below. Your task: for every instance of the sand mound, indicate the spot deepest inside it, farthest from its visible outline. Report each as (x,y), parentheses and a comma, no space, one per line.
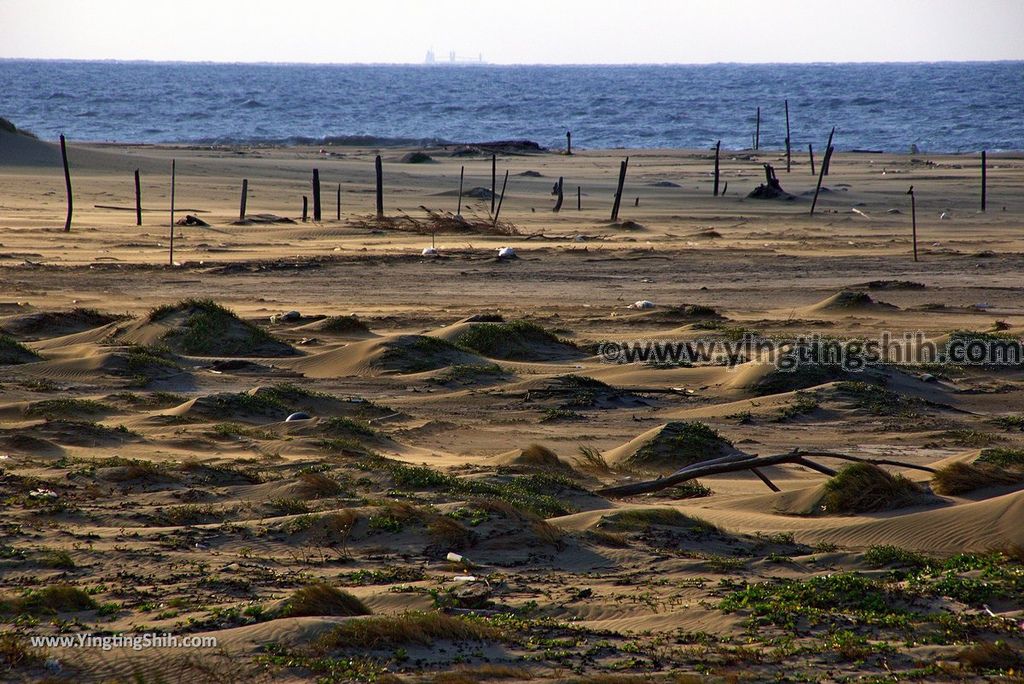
(533,457)
(40,324)
(579,391)
(347,326)
(399,354)
(764,378)
(847,301)
(204,328)
(674,315)
(13,352)
(671,446)
(518,340)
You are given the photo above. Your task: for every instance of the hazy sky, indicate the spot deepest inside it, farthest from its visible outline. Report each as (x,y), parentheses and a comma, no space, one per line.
(519,31)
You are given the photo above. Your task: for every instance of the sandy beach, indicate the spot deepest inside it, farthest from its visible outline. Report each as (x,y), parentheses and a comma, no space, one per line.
(458,403)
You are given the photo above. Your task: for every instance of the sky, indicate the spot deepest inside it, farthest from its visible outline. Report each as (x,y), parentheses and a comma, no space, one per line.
(516,32)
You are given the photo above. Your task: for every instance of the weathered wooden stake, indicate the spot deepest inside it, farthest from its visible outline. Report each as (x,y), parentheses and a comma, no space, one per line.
(500,201)
(305,208)
(828,151)
(462,176)
(317,213)
(725,188)
(138,199)
(913,218)
(67,183)
(579,198)
(244,199)
(339,201)
(718,149)
(757,131)
(618,192)
(568,142)
(789,157)
(824,165)
(810,151)
(379,165)
(558,202)
(171,247)
(984,179)
(494,179)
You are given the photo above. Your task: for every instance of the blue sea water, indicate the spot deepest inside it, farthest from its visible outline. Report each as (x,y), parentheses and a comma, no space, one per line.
(941,107)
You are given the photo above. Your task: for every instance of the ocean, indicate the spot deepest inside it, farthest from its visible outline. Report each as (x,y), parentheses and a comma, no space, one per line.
(940,107)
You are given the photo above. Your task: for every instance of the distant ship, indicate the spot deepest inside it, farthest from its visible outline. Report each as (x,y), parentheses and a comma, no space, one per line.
(432,60)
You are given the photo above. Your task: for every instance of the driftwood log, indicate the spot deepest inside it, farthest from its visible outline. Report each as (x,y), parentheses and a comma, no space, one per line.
(738,462)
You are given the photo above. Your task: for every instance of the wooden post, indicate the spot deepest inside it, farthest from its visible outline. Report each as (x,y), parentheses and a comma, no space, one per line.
(498,210)
(984,179)
(379,165)
(558,202)
(718,148)
(305,208)
(67,183)
(579,198)
(810,151)
(725,188)
(757,131)
(317,213)
(568,142)
(637,202)
(494,179)
(789,158)
(618,192)
(462,176)
(244,199)
(828,151)
(339,201)
(171,248)
(138,199)
(913,218)
(824,165)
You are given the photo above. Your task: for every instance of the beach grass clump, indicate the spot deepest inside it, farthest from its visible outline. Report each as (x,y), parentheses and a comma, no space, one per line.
(343,325)
(866,488)
(340,426)
(518,340)
(62,408)
(13,352)
(678,444)
(1002,457)
(407,629)
(56,598)
(468,374)
(880,401)
(203,327)
(57,559)
(323,599)
(992,656)
(16,651)
(645,518)
(317,485)
(960,478)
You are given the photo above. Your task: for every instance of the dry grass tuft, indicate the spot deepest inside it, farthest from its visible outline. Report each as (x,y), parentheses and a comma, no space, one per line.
(437,222)
(55,598)
(863,488)
(15,652)
(481,673)
(592,461)
(450,533)
(960,478)
(991,655)
(392,631)
(317,485)
(323,599)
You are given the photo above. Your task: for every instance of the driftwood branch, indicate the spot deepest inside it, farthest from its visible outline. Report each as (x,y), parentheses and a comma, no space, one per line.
(738,462)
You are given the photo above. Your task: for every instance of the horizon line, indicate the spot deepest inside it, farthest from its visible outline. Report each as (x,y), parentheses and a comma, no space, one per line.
(477,65)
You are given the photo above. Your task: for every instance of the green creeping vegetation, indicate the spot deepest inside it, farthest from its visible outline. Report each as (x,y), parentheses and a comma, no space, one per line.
(551,415)
(863,488)
(803,376)
(1003,457)
(14,352)
(468,374)
(58,408)
(211,329)
(234,430)
(515,340)
(966,437)
(803,404)
(391,574)
(323,599)
(880,401)
(56,598)
(143,358)
(1010,422)
(971,578)
(538,493)
(731,332)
